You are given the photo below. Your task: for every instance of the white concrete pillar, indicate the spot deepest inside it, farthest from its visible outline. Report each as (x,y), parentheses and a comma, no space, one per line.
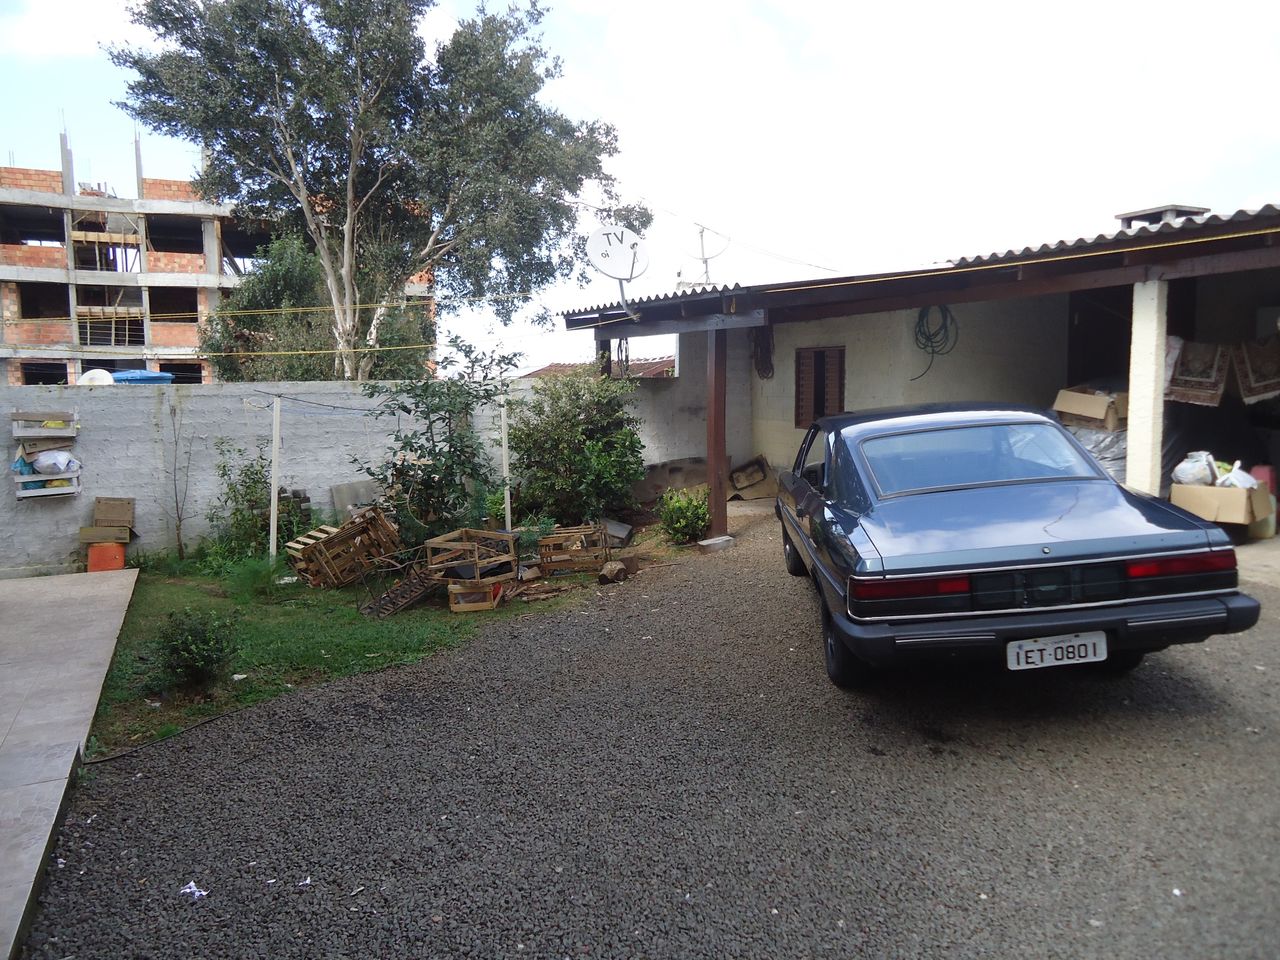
(1146,385)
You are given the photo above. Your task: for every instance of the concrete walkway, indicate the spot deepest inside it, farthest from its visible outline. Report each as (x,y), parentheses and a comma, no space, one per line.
(57,635)
(1259,562)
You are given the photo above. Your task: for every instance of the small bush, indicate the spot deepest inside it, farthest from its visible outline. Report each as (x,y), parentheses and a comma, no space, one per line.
(158,562)
(685,516)
(575,448)
(197,646)
(256,578)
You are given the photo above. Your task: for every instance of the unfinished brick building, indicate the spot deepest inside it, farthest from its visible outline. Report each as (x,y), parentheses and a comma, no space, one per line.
(92,280)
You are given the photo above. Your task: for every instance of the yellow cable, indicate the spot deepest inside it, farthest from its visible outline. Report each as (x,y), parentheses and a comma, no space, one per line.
(276,311)
(80,350)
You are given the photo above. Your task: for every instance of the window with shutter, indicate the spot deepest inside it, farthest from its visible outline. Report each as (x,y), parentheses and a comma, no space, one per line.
(819,383)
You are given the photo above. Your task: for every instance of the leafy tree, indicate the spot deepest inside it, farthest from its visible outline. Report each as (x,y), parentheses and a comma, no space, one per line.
(437,472)
(280,305)
(575,448)
(329,114)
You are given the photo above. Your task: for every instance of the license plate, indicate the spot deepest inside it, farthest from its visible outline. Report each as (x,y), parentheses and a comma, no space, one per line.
(1057,651)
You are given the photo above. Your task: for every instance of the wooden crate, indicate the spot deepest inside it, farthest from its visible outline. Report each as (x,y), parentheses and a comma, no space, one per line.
(574,549)
(471,557)
(44,490)
(31,423)
(470,597)
(338,556)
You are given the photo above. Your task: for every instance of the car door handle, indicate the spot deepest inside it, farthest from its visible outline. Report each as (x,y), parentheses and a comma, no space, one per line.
(801,512)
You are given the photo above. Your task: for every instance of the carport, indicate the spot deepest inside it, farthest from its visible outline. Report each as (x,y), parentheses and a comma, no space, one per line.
(1174,269)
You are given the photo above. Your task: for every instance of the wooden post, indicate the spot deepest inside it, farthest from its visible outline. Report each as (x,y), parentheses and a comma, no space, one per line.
(717,464)
(604,357)
(275,472)
(506,465)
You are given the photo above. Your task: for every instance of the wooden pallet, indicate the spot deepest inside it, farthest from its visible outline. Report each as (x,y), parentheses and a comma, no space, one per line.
(404,594)
(574,549)
(338,556)
(471,557)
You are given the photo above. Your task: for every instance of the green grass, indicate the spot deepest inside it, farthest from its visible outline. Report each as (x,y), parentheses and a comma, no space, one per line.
(295,636)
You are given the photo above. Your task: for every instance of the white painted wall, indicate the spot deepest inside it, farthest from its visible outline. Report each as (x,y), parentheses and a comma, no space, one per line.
(1012,351)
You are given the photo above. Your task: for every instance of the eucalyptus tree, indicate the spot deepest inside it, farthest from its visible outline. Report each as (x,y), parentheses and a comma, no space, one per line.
(332,116)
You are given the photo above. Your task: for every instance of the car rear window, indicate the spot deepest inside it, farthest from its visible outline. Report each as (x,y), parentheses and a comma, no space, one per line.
(973,456)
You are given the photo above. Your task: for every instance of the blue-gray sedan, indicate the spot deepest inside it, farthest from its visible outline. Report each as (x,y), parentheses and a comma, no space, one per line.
(990,532)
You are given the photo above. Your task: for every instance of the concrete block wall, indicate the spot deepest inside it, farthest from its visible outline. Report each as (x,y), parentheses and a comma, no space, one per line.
(126,447)
(1008,352)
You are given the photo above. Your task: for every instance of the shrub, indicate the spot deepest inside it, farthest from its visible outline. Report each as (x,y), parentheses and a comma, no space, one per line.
(256,577)
(685,515)
(437,472)
(575,448)
(241,516)
(197,646)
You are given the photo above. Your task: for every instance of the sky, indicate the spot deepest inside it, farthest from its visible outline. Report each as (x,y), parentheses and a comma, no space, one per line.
(810,139)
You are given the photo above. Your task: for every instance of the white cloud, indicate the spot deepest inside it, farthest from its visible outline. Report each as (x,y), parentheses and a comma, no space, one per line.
(51,30)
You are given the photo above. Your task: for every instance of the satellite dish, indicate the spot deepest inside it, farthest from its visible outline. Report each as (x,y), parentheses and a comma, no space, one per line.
(617,252)
(97,377)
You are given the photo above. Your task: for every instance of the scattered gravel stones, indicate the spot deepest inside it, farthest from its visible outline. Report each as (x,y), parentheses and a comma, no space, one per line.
(664,771)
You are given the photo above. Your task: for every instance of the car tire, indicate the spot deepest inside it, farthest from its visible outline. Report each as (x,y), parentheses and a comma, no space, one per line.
(1120,662)
(791,556)
(843,668)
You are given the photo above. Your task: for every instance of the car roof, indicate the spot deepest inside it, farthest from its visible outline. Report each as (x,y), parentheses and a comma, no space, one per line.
(863,423)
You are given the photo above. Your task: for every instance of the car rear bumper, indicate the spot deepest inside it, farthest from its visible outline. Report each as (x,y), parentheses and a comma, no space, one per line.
(1138,626)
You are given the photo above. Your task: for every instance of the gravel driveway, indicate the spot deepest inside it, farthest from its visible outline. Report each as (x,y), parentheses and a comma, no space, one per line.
(665,772)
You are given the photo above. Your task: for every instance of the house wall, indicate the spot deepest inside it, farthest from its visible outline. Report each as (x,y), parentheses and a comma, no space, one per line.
(674,410)
(1011,351)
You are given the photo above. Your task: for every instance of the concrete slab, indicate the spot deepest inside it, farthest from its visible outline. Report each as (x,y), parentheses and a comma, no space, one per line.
(59,636)
(1259,561)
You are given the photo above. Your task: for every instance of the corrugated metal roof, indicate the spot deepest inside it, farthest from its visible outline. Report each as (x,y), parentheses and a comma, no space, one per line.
(654,369)
(1188,229)
(1181,226)
(692,293)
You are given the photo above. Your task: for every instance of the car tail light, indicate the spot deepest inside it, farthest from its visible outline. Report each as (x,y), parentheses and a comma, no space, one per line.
(909,588)
(910,596)
(1188,564)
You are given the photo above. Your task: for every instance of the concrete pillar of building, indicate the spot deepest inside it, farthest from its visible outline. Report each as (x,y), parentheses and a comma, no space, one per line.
(212,237)
(1146,385)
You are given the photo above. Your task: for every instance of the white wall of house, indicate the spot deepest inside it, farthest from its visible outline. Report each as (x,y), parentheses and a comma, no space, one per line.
(1012,351)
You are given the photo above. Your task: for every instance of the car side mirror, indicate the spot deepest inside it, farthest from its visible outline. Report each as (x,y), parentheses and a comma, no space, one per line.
(812,475)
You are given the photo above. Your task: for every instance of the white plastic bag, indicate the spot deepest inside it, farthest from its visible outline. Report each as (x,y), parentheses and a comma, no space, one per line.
(1235,477)
(55,462)
(1198,469)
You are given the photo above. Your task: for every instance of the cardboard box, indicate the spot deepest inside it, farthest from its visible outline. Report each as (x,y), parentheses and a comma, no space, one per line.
(32,448)
(105,534)
(112,521)
(113,511)
(1081,406)
(1223,504)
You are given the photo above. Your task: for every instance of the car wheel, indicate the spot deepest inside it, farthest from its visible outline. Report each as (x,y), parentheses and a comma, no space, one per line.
(1120,661)
(843,668)
(795,564)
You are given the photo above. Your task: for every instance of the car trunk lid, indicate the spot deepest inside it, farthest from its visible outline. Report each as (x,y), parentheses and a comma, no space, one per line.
(1043,522)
